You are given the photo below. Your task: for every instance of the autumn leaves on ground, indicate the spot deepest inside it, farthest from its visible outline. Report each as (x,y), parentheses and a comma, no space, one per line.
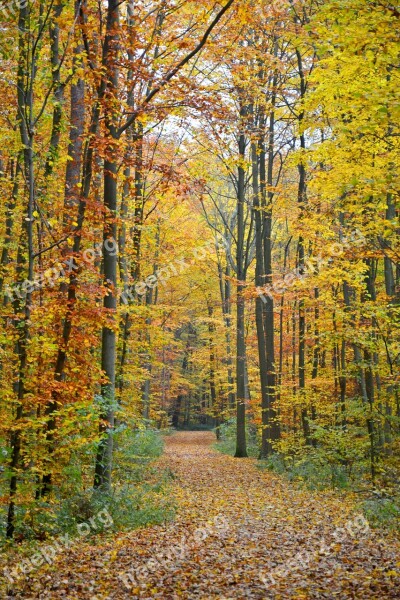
(240,532)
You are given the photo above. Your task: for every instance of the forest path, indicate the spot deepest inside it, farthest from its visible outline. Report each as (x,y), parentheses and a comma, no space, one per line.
(239,533)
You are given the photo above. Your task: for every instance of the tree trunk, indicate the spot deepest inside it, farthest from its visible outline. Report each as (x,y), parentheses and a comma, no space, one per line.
(103,465)
(73,198)
(259,307)
(271,427)
(212,366)
(301,198)
(241,447)
(22,306)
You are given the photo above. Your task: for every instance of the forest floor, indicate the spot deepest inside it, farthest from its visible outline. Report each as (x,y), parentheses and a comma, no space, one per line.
(240,532)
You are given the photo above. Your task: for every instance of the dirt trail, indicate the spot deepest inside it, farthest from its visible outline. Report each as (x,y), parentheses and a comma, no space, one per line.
(239,533)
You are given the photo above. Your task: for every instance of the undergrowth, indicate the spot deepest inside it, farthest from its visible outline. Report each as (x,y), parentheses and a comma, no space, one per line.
(139,496)
(332,464)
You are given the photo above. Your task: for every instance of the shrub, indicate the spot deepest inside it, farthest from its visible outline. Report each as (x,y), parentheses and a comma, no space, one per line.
(140,494)
(382,512)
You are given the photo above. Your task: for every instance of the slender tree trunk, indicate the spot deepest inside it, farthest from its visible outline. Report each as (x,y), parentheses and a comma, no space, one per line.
(74,200)
(212,367)
(259,307)
(22,306)
(225,292)
(15,174)
(281,327)
(271,426)
(241,447)
(103,465)
(366,389)
(301,197)
(58,90)
(176,415)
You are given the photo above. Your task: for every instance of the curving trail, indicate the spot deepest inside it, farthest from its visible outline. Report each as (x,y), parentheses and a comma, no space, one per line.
(239,533)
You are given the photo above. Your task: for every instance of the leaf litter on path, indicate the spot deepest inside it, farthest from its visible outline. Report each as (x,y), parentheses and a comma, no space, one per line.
(239,533)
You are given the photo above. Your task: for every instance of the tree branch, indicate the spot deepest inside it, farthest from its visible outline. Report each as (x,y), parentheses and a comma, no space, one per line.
(179,66)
